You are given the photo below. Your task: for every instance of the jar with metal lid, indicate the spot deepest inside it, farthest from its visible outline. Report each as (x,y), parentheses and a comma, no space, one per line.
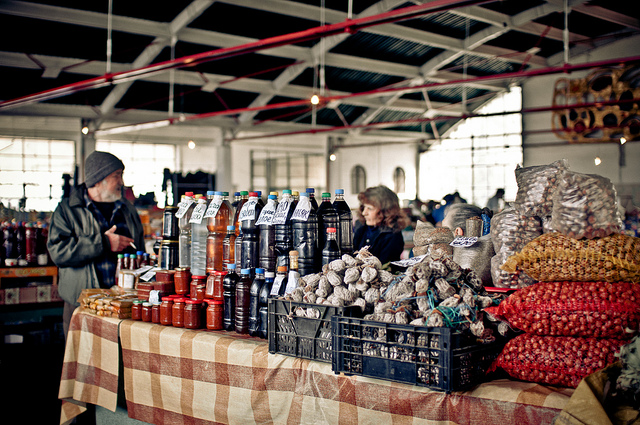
(182,280)
(146,311)
(136,310)
(215,314)
(169,254)
(193,314)
(177,312)
(155,312)
(170,229)
(165,311)
(198,285)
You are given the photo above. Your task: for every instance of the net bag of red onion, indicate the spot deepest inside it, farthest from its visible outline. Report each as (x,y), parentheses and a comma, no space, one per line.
(586,309)
(556,360)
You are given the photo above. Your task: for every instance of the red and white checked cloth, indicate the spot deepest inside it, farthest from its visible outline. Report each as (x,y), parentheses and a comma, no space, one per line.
(90,368)
(176,375)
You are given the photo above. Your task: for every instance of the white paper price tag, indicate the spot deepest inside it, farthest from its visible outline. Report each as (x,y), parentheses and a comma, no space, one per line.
(464,242)
(292,282)
(301,212)
(213,208)
(248,210)
(277,283)
(198,213)
(282,212)
(410,261)
(267,214)
(183,207)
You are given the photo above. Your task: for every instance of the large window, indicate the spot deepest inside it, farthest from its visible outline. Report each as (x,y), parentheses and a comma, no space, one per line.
(143,165)
(31,172)
(478,157)
(358,179)
(276,171)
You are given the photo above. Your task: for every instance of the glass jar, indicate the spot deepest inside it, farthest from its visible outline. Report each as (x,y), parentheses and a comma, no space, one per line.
(165,311)
(193,314)
(215,314)
(177,312)
(198,283)
(146,311)
(136,310)
(169,254)
(155,312)
(182,280)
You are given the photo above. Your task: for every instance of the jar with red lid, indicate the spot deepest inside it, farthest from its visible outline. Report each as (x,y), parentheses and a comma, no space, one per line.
(165,311)
(214,288)
(136,310)
(155,312)
(177,312)
(182,280)
(198,285)
(215,314)
(193,314)
(146,311)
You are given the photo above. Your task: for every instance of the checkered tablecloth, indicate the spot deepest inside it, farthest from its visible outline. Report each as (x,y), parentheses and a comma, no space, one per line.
(90,368)
(180,376)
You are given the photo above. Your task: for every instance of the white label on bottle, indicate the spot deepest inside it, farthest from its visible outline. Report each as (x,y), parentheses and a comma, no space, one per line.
(292,282)
(277,283)
(267,213)
(128,280)
(282,212)
(183,207)
(248,210)
(301,212)
(198,213)
(213,208)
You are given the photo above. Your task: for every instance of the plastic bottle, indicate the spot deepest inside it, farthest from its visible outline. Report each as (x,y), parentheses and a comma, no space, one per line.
(250,233)
(244,197)
(219,212)
(279,283)
(346,222)
(263,304)
(293,276)
(305,236)
(229,294)
(331,250)
(254,303)
(41,245)
(236,199)
(126,261)
(267,243)
(327,217)
(243,300)
(31,239)
(283,228)
(133,261)
(184,240)
(119,262)
(229,247)
(21,243)
(199,235)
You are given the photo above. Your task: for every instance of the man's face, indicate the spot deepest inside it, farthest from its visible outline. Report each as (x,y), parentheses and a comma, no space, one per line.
(111,187)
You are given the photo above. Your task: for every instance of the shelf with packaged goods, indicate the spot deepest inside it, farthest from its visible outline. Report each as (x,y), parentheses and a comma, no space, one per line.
(28,285)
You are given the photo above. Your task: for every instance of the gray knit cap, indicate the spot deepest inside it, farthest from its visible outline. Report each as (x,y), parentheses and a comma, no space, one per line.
(99,165)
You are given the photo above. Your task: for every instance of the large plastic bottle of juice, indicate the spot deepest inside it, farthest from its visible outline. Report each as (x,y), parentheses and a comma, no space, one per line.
(218,217)
(346,222)
(229,247)
(305,236)
(284,230)
(327,217)
(244,197)
(199,235)
(250,233)
(184,239)
(267,243)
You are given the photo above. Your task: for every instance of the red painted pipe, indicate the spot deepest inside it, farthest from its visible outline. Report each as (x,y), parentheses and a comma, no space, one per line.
(349,26)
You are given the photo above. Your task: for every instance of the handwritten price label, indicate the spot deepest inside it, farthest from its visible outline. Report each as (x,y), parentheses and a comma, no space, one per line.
(213,208)
(198,213)
(183,207)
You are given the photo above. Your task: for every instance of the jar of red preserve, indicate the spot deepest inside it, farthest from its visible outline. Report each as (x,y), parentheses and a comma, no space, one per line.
(165,311)
(136,310)
(215,314)
(193,314)
(177,312)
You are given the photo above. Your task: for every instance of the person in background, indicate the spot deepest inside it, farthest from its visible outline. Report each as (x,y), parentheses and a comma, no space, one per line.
(384,222)
(496,202)
(90,228)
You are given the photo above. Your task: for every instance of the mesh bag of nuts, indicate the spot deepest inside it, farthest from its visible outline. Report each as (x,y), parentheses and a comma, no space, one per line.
(556,360)
(586,309)
(511,230)
(536,187)
(585,206)
(504,279)
(556,257)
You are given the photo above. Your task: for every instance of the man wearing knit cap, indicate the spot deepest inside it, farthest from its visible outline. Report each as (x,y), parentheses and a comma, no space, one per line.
(90,228)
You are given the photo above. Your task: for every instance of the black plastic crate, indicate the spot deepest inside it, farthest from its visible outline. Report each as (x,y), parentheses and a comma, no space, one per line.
(305,337)
(442,359)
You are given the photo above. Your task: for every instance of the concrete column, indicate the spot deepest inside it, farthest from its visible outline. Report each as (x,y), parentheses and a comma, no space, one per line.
(223,165)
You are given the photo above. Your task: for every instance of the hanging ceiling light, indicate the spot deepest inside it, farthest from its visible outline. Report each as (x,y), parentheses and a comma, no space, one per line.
(191,144)
(597,160)
(315,99)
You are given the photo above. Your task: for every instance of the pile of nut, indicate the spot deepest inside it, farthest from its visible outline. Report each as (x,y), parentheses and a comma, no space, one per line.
(536,187)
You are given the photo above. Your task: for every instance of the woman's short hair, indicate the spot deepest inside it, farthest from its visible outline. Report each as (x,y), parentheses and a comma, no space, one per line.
(388,203)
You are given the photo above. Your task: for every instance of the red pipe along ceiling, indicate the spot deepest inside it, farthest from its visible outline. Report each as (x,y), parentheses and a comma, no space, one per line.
(349,26)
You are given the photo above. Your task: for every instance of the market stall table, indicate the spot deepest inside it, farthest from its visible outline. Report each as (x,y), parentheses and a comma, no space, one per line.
(174,375)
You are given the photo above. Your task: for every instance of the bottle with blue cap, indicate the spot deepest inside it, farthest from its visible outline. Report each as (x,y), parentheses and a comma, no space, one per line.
(283,228)
(267,231)
(345,239)
(305,236)
(218,215)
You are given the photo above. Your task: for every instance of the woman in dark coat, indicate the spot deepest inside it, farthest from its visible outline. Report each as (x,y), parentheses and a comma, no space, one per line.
(384,221)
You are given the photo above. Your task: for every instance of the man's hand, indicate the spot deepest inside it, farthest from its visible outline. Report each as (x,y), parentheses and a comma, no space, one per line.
(118,242)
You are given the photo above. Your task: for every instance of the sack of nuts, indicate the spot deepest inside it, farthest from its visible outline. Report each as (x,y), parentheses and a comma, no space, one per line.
(585,206)
(556,360)
(536,187)
(511,230)
(504,279)
(587,309)
(556,257)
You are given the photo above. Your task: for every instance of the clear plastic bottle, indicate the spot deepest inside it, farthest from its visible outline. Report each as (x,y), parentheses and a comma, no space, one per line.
(243,300)
(199,235)
(346,222)
(229,294)
(267,243)
(283,228)
(254,304)
(250,233)
(327,217)
(331,250)
(220,209)
(305,236)
(263,304)
(184,240)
